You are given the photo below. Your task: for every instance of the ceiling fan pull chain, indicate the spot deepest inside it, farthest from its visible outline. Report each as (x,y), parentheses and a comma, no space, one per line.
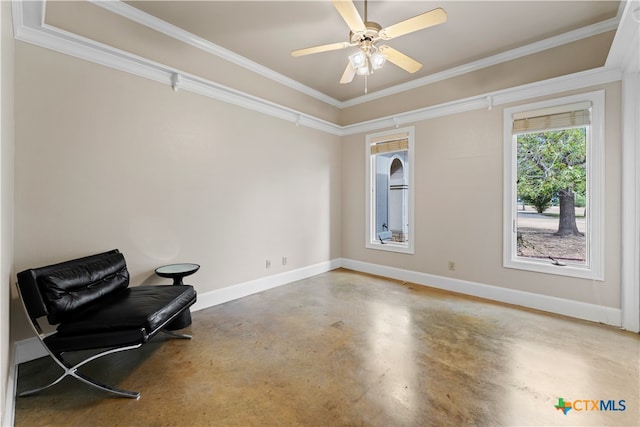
(366,89)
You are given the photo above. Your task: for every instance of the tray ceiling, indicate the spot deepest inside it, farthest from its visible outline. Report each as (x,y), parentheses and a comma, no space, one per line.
(267,31)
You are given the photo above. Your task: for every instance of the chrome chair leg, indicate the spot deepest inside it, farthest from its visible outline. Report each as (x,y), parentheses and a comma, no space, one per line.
(72,371)
(35,390)
(93,383)
(176,334)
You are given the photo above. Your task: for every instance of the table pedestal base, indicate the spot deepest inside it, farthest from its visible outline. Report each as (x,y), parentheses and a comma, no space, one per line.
(182,320)
(177,272)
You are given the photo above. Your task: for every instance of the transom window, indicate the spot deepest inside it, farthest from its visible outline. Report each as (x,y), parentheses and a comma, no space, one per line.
(554,161)
(390,191)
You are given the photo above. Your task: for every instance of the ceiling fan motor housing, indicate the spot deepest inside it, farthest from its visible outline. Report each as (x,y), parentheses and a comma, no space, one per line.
(370,34)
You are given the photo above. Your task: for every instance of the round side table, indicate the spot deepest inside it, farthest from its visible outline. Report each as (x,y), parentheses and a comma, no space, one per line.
(177,272)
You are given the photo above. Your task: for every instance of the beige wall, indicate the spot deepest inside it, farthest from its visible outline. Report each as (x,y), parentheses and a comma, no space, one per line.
(458,206)
(6,196)
(108,160)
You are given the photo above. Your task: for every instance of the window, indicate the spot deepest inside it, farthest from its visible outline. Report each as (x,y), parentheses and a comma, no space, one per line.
(390,191)
(554,186)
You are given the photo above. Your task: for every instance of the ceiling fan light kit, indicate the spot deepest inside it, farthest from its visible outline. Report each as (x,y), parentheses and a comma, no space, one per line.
(377,60)
(365,34)
(357,59)
(365,64)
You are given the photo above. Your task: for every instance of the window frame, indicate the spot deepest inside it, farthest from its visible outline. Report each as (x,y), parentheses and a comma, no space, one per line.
(594,267)
(370,241)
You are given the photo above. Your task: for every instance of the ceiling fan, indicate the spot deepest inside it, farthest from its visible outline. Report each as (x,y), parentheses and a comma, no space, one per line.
(366,34)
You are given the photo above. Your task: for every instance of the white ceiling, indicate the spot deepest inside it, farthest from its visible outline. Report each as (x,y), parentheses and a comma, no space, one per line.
(267,31)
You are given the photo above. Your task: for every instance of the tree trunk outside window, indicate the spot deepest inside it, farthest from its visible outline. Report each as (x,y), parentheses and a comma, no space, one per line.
(567,223)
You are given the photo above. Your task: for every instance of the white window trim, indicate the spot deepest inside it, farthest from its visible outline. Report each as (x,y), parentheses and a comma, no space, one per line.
(370,241)
(595,192)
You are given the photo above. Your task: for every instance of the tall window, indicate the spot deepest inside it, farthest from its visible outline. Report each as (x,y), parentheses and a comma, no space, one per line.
(554,186)
(390,191)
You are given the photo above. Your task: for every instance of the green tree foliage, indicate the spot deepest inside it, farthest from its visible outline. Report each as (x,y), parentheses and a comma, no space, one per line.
(553,163)
(540,200)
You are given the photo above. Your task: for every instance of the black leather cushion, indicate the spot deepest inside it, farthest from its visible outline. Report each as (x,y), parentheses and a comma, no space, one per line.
(59,344)
(138,307)
(69,289)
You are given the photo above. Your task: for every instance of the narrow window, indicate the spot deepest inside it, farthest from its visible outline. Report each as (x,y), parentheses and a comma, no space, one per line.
(553,186)
(390,191)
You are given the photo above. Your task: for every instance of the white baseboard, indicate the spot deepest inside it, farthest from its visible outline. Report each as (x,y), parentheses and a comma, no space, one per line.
(230,293)
(26,350)
(8,415)
(596,313)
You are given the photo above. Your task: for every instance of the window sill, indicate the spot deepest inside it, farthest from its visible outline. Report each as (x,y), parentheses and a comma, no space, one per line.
(391,247)
(558,270)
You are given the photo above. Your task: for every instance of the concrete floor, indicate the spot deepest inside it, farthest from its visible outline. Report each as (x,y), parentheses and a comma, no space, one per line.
(344,348)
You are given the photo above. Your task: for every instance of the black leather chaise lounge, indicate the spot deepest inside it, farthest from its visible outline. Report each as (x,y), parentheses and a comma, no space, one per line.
(90,301)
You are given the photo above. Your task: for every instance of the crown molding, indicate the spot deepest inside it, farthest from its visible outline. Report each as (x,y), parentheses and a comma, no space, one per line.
(581,80)
(29,26)
(624,50)
(571,36)
(143,18)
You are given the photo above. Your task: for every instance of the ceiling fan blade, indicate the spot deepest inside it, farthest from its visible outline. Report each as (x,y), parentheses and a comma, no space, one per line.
(425,20)
(349,74)
(350,14)
(400,59)
(318,49)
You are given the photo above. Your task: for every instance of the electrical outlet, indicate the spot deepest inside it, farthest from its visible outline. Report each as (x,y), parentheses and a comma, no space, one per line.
(267,264)
(451,265)
(284,260)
